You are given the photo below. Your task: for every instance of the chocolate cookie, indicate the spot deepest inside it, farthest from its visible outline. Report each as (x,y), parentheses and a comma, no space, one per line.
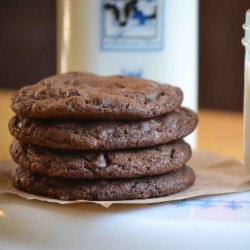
(101,165)
(82,135)
(88,96)
(121,189)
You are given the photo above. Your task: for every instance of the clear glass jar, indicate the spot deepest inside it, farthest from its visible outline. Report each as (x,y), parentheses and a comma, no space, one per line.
(246,43)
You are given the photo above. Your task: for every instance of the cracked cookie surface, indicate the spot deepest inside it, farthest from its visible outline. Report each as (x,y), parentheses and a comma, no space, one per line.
(118,189)
(81,95)
(104,135)
(101,165)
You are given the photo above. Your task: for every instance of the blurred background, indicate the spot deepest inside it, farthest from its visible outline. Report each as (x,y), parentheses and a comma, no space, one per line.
(28,53)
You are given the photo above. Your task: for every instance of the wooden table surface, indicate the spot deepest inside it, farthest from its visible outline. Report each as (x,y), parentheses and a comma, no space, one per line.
(218,132)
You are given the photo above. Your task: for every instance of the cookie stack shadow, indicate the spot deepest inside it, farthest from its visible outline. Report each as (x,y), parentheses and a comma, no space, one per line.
(79,136)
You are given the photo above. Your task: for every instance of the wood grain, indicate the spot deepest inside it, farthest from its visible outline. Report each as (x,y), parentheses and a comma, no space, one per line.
(221,132)
(5,115)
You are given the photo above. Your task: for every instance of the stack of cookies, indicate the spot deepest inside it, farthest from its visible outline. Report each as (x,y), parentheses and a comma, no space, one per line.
(79,136)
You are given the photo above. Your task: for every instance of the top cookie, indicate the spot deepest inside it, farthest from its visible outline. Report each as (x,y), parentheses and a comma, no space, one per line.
(87,96)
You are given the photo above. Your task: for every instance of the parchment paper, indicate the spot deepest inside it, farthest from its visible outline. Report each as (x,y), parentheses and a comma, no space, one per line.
(214,175)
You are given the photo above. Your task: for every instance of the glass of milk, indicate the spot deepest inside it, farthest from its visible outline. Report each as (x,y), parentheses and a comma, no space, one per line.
(246,43)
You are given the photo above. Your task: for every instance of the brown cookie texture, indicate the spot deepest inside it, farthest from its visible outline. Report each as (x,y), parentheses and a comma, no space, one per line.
(82,95)
(101,165)
(118,189)
(103,135)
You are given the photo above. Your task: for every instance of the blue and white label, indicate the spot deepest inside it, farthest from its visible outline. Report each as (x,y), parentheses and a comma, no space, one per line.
(131,25)
(136,73)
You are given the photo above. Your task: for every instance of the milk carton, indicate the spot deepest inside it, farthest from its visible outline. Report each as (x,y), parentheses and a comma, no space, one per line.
(154,39)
